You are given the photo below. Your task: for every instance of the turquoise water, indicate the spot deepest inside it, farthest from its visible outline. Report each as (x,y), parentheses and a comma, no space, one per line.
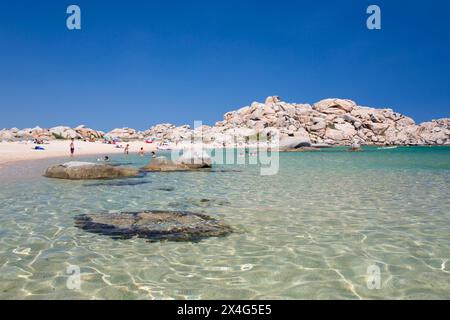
(309,232)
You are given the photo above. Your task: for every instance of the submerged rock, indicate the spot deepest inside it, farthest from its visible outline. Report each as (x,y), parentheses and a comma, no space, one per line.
(154,225)
(168,189)
(88,171)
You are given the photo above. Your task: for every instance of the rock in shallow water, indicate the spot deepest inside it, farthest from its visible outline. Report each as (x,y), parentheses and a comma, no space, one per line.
(165,165)
(86,171)
(168,189)
(154,225)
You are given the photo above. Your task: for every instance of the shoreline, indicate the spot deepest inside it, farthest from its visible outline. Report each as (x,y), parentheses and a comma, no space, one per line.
(16,152)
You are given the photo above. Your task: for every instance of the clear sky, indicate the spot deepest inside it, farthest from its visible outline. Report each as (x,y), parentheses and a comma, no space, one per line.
(138,63)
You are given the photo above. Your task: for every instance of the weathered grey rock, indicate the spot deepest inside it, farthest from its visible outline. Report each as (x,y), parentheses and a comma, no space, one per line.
(378,128)
(124,133)
(347,130)
(165,165)
(289,143)
(334,105)
(335,135)
(62,132)
(273,99)
(319,126)
(405,122)
(244,110)
(6,135)
(154,225)
(88,171)
(349,118)
(87,133)
(194,159)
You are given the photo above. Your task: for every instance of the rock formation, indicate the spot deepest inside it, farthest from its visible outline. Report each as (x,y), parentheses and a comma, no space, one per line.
(331,122)
(124,134)
(336,122)
(183,164)
(88,171)
(154,225)
(289,143)
(59,132)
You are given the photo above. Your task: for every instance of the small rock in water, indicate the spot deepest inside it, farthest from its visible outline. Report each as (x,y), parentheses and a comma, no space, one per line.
(166,188)
(154,225)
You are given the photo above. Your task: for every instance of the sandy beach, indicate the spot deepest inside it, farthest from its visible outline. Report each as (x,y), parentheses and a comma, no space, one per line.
(12,152)
(22,151)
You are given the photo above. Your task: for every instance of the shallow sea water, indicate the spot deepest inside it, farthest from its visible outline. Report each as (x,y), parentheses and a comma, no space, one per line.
(309,232)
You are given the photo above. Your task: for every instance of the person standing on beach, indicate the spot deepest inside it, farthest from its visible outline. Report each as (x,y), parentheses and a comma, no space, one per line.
(72,147)
(141,152)
(127,149)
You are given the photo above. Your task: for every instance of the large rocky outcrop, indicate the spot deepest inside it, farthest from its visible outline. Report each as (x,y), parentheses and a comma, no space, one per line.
(61,132)
(169,132)
(327,122)
(335,122)
(88,171)
(125,134)
(154,225)
(58,132)
(88,133)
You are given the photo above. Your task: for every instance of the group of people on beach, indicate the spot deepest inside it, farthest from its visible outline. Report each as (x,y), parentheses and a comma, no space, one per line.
(106,158)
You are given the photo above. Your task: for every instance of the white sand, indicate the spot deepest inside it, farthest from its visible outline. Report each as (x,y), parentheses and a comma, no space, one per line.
(22,151)
(11,152)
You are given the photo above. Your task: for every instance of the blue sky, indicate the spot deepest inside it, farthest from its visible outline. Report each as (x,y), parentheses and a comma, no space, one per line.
(138,63)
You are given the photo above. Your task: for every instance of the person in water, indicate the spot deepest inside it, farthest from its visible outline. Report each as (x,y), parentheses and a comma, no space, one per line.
(72,147)
(153,154)
(104,159)
(127,149)
(141,152)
